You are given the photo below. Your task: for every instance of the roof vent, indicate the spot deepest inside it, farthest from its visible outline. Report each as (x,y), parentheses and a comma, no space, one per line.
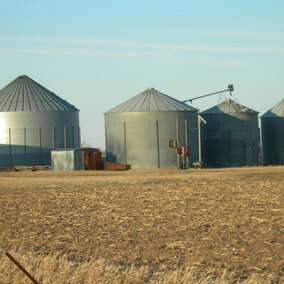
(22,77)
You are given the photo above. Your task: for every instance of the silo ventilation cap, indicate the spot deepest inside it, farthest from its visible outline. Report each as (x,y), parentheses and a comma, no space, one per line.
(22,76)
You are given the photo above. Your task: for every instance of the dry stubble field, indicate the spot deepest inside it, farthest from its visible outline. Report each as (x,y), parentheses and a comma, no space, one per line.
(159,226)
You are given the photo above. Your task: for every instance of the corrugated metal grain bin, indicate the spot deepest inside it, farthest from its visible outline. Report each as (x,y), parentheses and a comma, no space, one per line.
(33,121)
(231,135)
(76,159)
(272,135)
(138,131)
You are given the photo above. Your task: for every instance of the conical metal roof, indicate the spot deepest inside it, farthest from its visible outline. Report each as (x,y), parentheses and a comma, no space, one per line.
(228,106)
(276,111)
(151,100)
(24,94)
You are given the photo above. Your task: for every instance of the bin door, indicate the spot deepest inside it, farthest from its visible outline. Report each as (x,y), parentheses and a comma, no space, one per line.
(248,152)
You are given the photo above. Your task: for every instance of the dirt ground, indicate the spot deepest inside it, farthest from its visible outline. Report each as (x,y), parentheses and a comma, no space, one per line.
(212,219)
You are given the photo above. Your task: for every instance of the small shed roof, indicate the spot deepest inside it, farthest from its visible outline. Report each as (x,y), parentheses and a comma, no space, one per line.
(228,106)
(85,149)
(25,94)
(151,100)
(276,111)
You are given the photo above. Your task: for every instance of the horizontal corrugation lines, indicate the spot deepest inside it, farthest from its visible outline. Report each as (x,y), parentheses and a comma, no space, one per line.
(24,94)
(151,100)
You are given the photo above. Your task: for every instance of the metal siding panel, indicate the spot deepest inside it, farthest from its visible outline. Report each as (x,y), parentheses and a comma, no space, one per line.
(141,138)
(59,137)
(78,160)
(18,148)
(115,138)
(221,148)
(167,131)
(272,140)
(32,121)
(141,143)
(62,160)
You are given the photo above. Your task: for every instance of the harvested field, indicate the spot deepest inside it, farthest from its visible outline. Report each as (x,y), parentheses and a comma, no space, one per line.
(159,226)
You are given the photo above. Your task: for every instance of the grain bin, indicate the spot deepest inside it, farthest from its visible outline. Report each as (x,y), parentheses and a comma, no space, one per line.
(272,135)
(138,131)
(33,121)
(231,135)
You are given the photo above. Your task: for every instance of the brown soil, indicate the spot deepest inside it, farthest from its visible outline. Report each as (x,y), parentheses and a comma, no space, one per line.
(163,219)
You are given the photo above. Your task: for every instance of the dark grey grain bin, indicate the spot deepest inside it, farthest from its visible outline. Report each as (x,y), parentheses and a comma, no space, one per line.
(33,121)
(272,135)
(138,131)
(231,135)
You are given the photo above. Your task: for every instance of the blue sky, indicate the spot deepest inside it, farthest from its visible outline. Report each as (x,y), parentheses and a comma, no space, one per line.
(97,54)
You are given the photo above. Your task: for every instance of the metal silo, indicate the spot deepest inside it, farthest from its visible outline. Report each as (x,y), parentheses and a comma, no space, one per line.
(272,134)
(231,135)
(138,131)
(33,121)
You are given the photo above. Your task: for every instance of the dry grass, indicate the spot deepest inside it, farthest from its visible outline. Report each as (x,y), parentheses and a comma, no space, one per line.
(52,269)
(161,226)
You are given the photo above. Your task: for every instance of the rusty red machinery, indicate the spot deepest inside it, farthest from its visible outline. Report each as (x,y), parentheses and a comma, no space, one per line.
(183,151)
